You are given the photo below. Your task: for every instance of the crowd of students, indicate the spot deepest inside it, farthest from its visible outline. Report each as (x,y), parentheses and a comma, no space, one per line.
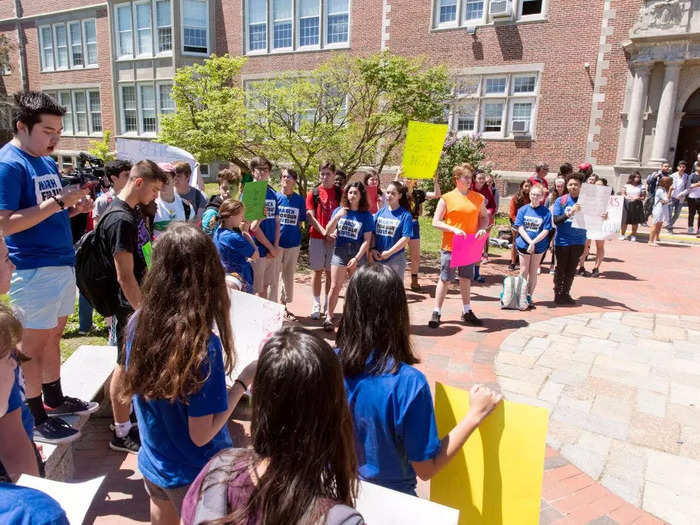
(322,418)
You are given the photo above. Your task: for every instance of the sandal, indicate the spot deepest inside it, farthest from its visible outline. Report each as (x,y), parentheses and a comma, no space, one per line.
(289,316)
(328,325)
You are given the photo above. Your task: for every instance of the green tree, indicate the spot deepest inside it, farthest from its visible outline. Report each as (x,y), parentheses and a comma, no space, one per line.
(456,151)
(102,148)
(210,120)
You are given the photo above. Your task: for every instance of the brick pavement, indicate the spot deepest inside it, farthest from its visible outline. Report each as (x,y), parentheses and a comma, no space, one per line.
(635,278)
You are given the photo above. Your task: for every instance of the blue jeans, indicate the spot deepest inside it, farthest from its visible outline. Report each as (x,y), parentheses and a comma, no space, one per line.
(84,314)
(675,208)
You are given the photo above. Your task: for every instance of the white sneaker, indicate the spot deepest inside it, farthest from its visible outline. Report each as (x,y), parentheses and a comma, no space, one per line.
(633,238)
(621,238)
(316,312)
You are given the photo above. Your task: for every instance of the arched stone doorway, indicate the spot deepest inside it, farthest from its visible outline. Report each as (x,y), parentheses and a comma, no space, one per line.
(688,145)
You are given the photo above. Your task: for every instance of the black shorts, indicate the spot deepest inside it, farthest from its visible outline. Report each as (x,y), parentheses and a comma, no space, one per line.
(119,322)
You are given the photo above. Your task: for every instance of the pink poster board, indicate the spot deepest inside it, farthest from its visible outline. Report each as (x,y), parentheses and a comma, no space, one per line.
(467,249)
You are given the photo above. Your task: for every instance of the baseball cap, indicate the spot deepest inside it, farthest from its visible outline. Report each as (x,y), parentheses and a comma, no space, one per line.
(584,166)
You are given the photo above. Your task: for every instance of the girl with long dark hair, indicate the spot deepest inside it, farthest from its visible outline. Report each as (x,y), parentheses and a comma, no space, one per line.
(518,200)
(353,225)
(393,229)
(302,468)
(634,206)
(177,366)
(395,432)
(374,193)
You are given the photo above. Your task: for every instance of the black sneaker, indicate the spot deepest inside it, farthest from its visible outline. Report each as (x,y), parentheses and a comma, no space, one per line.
(595,273)
(130,443)
(72,406)
(471,319)
(512,267)
(434,320)
(55,431)
(568,299)
(582,271)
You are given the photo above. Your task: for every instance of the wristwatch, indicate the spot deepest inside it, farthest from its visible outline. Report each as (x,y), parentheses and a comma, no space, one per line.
(60,203)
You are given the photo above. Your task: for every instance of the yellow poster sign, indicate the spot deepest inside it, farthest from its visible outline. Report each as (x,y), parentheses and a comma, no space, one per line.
(421,153)
(497,476)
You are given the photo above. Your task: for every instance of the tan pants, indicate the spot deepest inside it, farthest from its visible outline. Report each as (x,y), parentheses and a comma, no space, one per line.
(264,283)
(285,269)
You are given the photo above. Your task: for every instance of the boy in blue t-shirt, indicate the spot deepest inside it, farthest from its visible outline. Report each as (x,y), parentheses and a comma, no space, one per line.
(292,212)
(568,240)
(35,211)
(267,236)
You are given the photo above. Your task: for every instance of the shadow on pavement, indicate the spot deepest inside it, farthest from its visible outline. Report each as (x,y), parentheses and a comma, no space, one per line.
(445,329)
(133,503)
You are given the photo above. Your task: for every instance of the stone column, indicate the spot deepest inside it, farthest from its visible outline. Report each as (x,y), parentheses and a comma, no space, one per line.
(636,113)
(666,113)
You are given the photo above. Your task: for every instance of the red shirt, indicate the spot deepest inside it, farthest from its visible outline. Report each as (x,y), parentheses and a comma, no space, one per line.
(326,204)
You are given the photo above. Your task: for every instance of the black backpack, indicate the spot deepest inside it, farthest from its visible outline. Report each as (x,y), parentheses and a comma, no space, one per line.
(317,198)
(95,273)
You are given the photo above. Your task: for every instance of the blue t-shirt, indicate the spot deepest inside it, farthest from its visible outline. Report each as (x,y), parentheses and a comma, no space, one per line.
(17,400)
(394,424)
(267,225)
(168,457)
(25,506)
(534,220)
(352,228)
(390,226)
(566,234)
(26,181)
(292,212)
(234,250)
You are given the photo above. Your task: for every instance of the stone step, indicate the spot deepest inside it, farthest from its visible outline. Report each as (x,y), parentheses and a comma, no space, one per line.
(83,375)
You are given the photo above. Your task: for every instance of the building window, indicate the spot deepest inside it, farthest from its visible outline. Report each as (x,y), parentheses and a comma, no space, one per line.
(195,26)
(83,111)
(448,11)
(144,35)
(495,106)
(90,42)
(76,44)
(164,26)
(130,120)
(141,105)
(282,19)
(478,12)
(61,44)
(46,44)
(143,28)
(296,25)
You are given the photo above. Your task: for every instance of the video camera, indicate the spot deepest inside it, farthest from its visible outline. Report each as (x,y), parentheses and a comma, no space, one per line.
(90,171)
(418,196)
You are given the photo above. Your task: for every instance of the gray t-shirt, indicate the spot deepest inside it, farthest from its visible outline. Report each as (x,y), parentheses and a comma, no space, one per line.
(196,198)
(101,204)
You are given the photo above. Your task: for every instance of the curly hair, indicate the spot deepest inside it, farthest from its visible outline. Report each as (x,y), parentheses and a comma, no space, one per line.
(184,297)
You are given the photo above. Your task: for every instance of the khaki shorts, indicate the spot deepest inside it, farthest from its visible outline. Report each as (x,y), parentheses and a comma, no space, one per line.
(176,495)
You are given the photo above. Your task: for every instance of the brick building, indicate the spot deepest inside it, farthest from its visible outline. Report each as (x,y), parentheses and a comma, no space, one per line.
(612,82)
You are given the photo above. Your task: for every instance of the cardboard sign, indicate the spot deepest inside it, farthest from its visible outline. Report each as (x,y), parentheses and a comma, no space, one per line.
(423,148)
(497,476)
(253,321)
(467,249)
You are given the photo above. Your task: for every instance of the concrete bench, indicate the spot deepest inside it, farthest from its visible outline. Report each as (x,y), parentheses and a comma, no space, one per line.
(83,375)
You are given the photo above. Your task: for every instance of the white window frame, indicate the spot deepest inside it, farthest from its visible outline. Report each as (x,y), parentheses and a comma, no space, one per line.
(42,48)
(122,110)
(182,32)
(71,44)
(118,32)
(486,18)
(55,47)
(159,106)
(69,111)
(325,25)
(521,100)
(271,31)
(77,133)
(157,28)
(83,23)
(500,94)
(482,120)
(524,93)
(297,25)
(71,114)
(91,125)
(138,53)
(450,23)
(268,33)
(140,108)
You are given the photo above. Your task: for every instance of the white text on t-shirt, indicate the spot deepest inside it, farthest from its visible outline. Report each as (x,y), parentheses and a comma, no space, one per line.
(532,223)
(386,227)
(289,216)
(349,228)
(46,186)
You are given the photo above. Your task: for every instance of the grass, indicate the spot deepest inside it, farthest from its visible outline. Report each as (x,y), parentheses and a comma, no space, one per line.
(71,339)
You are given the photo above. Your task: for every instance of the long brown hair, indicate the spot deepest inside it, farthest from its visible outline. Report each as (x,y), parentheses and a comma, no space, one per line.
(375,322)
(184,295)
(302,427)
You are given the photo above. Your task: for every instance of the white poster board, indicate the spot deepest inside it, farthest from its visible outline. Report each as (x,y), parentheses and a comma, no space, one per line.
(75,498)
(389,507)
(253,321)
(595,200)
(138,150)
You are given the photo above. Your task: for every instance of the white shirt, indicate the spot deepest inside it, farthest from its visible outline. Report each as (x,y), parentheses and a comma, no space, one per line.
(679,184)
(632,191)
(166,213)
